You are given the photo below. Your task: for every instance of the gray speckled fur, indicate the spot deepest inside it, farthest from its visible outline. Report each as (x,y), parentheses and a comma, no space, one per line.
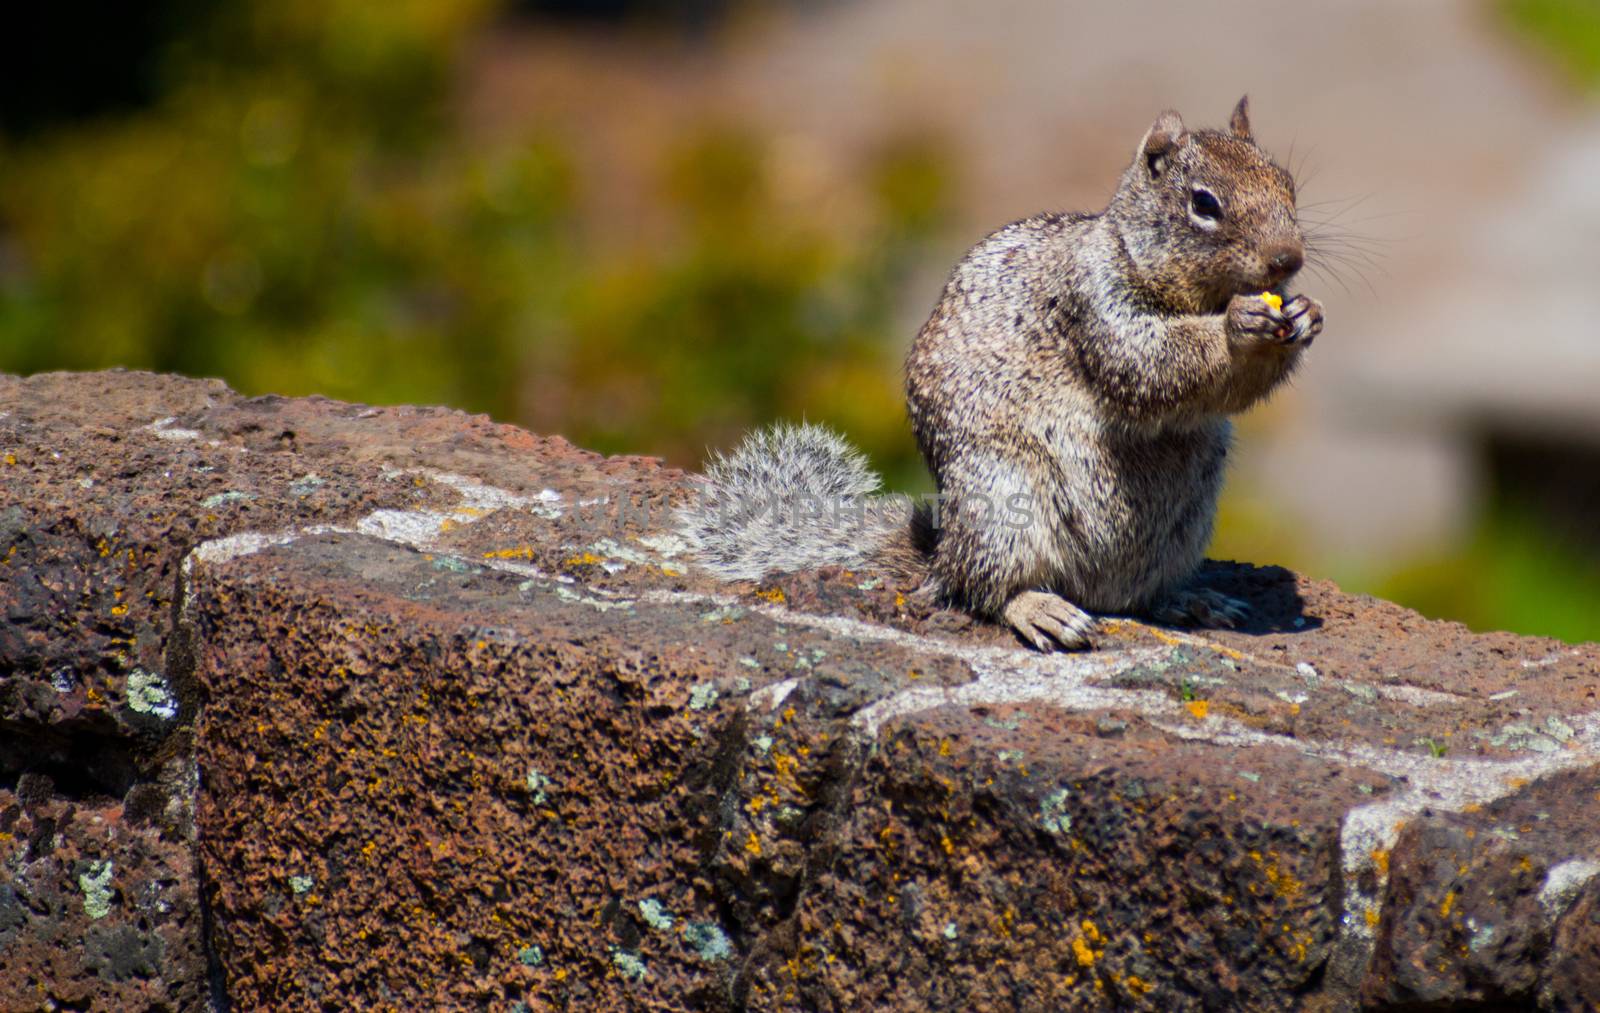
(1088,363)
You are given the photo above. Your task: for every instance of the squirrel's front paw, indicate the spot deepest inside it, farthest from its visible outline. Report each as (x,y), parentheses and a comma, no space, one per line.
(1267,320)
(1304,317)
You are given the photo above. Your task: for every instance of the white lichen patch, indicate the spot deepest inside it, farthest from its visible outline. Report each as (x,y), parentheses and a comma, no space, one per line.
(668,545)
(1562,883)
(96,887)
(537,782)
(702,695)
(416,528)
(771,697)
(301,884)
(148,693)
(1053,812)
(221,550)
(629,964)
(569,595)
(163,429)
(708,940)
(654,915)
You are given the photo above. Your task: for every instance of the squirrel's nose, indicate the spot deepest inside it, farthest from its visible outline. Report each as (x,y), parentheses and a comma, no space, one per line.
(1284,261)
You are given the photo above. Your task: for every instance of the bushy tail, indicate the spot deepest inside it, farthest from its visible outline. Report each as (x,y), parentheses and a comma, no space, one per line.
(789,498)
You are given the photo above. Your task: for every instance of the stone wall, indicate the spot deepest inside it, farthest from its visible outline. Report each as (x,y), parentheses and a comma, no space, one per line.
(314,705)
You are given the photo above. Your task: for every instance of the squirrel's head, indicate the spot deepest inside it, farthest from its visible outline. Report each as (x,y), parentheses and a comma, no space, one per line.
(1206,215)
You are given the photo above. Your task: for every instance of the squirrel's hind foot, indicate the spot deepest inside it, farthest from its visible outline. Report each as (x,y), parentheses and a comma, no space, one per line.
(1199,606)
(1046,620)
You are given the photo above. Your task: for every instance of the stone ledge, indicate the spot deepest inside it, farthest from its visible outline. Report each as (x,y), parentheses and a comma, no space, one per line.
(468,730)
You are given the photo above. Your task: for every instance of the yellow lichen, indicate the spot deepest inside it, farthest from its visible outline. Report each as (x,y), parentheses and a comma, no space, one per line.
(517,552)
(774,595)
(1199,708)
(1449,903)
(1082,951)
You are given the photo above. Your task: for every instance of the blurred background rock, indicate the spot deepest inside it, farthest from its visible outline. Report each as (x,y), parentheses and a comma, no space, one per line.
(652,225)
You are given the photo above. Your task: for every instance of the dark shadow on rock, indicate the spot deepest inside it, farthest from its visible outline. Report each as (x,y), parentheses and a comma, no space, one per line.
(1271,592)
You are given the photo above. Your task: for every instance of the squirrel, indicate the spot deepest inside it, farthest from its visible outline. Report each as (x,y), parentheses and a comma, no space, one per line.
(1070,394)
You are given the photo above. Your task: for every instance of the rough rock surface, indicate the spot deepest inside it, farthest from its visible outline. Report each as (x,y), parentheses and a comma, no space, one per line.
(314,705)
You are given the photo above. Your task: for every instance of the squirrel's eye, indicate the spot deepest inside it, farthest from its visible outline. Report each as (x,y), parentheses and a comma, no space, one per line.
(1205,204)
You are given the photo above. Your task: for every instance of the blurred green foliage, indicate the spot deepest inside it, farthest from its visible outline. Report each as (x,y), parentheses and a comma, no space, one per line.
(1513,575)
(1569,30)
(300,212)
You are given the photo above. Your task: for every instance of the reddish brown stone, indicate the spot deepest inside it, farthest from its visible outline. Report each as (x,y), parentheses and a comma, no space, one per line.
(469,731)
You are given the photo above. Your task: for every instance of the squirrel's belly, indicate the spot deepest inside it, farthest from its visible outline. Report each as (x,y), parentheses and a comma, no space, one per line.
(1135,526)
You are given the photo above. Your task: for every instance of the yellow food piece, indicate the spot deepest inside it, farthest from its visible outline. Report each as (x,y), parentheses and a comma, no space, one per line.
(1272,299)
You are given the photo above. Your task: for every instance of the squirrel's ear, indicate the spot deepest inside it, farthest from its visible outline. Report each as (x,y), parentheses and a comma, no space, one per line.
(1160,141)
(1239,122)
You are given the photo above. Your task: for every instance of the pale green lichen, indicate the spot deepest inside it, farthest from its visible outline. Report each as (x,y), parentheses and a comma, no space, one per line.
(708,940)
(149,693)
(629,964)
(532,956)
(762,742)
(301,884)
(305,485)
(950,930)
(537,783)
(224,498)
(749,662)
(702,696)
(655,915)
(615,550)
(96,887)
(1053,812)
